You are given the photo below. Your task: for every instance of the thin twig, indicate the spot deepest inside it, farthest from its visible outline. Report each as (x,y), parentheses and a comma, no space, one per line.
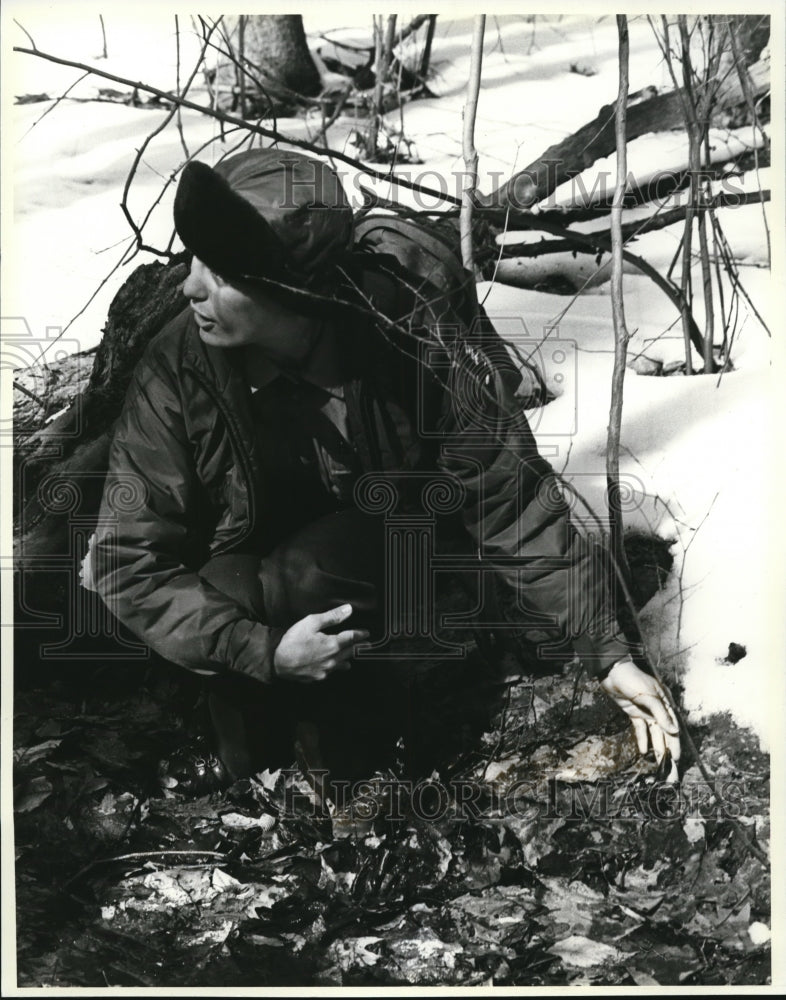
(103,36)
(425,58)
(256,129)
(621,335)
(698,127)
(76,316)
(328,122)
(745,84)
(244,66)
(55,103)
(493,277)
(148,139)
(29,36)
(32,395)
(177,87)
(142,856)
(593,243)
(412,27)
(241,47)
(732,271)
(468,142)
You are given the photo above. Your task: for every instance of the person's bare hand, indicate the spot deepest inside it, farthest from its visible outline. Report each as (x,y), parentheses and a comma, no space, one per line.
(307,653)
(643,698)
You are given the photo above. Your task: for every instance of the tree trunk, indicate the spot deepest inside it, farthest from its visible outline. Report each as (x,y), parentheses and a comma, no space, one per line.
(273,65)
(276,43)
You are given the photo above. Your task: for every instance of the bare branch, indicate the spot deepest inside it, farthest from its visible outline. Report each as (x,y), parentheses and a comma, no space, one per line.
(621,335)
(148,139)
(29,36)
(746,89)
(54,104)
(470,153)
(268,133)
(412,27)
(177,86)
(596,242)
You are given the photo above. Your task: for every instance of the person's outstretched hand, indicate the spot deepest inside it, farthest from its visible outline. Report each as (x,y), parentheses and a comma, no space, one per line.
(642,697)
(307,653)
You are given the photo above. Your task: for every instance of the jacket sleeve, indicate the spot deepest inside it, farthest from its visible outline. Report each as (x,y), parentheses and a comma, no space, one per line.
(515,511)
(144,546)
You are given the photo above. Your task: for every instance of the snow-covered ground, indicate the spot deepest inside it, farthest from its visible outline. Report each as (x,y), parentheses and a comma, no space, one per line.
(698,453)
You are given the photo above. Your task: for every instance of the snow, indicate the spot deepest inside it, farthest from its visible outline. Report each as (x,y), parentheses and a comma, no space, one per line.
(697,452)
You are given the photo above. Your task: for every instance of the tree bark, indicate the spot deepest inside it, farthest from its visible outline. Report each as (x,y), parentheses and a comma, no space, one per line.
(277,44)
(272,61)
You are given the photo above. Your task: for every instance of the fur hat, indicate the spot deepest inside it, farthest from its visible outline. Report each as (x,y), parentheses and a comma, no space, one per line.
(266,213)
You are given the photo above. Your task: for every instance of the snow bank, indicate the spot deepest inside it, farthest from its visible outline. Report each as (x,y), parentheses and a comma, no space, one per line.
(697,457)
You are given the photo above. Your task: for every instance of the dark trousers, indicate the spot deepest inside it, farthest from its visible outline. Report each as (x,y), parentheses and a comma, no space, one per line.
(337,559)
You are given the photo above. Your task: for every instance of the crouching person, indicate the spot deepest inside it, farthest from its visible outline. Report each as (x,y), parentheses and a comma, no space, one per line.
(295,370)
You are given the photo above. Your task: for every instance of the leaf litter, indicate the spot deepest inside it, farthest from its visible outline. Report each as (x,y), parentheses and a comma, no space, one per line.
(555,857)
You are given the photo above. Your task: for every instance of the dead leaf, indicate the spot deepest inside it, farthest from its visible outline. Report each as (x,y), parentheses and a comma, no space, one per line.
(32,794)
(221,881)
(535,833)
(108,805)
(582,953)
(268,779)
(599,757)
(694,829)
(29,755)
(572,905)
(96,784)
(49,730)
(641,978)
(353,953)
(491,915)
(237,821)
(422,957)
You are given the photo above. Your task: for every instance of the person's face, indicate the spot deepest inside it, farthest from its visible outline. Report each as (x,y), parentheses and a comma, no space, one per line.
(239,314)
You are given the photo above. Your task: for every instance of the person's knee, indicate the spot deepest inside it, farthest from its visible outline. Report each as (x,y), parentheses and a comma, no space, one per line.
(237,576)
(333,561)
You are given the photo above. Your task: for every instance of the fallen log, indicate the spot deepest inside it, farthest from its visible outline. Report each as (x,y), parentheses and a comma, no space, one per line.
(75,445)
(630,230)
(594,140)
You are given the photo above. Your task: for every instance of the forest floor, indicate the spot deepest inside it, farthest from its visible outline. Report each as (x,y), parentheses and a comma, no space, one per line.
(529,845)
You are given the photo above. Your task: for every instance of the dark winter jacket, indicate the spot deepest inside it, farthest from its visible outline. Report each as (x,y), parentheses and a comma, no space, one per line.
(184,485)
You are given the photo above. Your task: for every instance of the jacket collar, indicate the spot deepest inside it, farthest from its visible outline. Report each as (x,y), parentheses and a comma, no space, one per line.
(214,367)
(213,363)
